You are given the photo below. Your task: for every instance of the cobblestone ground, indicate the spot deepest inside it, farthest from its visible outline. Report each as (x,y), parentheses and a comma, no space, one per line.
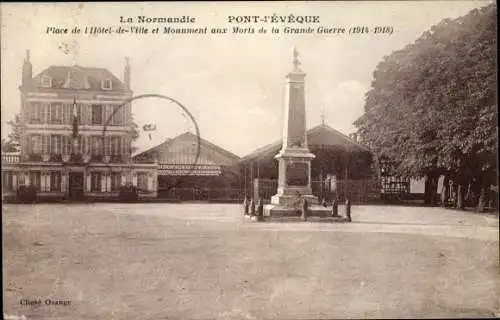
(202,261)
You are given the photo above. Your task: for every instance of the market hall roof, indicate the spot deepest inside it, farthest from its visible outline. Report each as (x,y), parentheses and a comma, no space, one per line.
(182,149)
(319,135)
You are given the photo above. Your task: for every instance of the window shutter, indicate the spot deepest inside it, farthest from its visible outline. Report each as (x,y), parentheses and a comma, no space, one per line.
(46,113)
(52,139)
(45,144)
(68,145)
(84,144)
(119,146)
(41,112)
(28,144)
(67,113)
(106,145)
(52,112)
(63,113)
(82,113)
(63,145)
(121,112)
(122,145)
(106,114)
(48,143)
(81,144)
(114,114)
(29,112)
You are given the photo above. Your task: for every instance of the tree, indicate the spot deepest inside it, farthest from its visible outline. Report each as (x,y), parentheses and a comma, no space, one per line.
(432,105)
(8,146)
(135,136)
(13,144)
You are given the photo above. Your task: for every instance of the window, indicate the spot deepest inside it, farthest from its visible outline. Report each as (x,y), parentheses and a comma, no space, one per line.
(56,144)
(142,181)
(46,144)
(106,84)
(45,109)
(78,108)
(8,181)
(36,144)
(56,113)
(66,145)
(117,115)
(115,145)
(107,145)
(35,179)
(83,147)
(95,147)
(95,181)
(116,181)
(36,114)
(46,81)
(97,114)
(55,181)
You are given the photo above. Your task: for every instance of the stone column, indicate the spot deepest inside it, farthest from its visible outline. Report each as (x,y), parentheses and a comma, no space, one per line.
(108,181)
(89,183)
(103,182)
(134,179)
(64,182)
(42,182)
(14,181)
(309,177)
(150,182)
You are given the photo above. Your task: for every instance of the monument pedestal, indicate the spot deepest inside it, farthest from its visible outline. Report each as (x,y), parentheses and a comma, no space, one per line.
(294,184)
(294,177)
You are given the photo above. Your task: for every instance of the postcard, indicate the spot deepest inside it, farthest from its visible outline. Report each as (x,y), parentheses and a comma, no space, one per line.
(250,160)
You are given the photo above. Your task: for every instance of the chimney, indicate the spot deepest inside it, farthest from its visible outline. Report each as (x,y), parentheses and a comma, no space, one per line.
(27,69)
(126,76)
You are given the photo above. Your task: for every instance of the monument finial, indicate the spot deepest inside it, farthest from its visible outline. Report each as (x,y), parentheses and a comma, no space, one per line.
(296,61)
(323,111)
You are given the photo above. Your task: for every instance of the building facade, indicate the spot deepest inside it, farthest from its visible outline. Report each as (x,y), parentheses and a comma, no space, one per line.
(192,168)
(76,136)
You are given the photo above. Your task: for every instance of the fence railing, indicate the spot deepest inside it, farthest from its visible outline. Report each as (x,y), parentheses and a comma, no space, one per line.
(201,194)
(358,191)
(10,158)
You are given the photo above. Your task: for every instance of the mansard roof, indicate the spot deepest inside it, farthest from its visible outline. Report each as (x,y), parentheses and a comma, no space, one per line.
(79,78)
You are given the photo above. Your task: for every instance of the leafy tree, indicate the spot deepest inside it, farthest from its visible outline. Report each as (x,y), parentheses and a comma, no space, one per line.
(135,136)
(8,146)
(432,105)
(13,143)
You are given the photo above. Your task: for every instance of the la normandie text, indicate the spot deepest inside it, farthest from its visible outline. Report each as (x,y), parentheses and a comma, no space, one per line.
(145,19)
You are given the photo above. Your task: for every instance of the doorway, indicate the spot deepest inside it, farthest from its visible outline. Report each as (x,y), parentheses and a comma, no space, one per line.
(76,185)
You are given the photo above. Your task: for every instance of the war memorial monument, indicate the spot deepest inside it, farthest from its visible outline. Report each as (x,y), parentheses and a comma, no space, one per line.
(294,198)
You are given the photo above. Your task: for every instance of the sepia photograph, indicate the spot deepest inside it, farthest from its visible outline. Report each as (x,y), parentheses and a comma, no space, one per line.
(290,160)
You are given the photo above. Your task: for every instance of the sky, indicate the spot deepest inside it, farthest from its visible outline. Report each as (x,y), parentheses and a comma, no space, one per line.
(233,84)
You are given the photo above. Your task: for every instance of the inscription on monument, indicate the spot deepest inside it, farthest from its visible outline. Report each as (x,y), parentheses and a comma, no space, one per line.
(296,174)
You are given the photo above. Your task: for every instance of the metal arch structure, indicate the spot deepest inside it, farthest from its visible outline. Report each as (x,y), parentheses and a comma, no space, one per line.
(163,97)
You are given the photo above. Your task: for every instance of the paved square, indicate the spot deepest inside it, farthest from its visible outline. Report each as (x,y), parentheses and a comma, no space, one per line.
(202,261)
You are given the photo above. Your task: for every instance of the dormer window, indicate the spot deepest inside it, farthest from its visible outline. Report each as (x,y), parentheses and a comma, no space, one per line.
(106,84)
(46,81)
